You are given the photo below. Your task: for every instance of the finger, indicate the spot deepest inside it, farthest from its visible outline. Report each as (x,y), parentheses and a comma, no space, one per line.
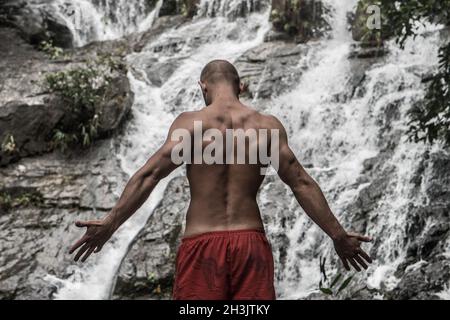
(360,237)
(345,263)
(360,261)
(81,251)
(78,244)
(363,254)
(81,224)
(88,253)
(365,238)
(98,249)
(354,264)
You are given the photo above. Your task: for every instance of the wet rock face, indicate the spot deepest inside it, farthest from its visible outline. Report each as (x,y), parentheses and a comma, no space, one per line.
(170,7)
(116,106)
(35,25)
(271,68)
(278,216)
(29,115)
(29,127)
(423,281)
(148,269)
(46,195)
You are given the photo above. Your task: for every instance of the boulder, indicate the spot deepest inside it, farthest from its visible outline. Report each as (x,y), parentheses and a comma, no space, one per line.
(27,128)
(423,281)
(36,24)
(116,106)
(271,68)
(29,115)
(40,198)
(170,7)
(434,237)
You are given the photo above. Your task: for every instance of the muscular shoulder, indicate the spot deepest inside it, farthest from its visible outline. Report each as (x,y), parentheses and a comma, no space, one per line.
(271,122)
(185,120)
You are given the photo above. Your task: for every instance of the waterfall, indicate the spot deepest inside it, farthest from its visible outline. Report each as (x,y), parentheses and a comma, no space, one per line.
(99,20)
(334,132)
(231,8)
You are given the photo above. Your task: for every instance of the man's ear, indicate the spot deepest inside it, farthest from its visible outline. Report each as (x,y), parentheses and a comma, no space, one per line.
(202,85)
(243,87)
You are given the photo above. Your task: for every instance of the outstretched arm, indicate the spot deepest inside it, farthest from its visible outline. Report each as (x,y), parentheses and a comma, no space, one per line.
(310,197)
(136,192)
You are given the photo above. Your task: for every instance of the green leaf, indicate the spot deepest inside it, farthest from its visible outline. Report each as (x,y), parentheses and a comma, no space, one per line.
(345,284)
(335,280)
(326,291)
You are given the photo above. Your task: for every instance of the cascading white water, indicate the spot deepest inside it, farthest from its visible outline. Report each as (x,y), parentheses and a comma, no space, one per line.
(153,114)
(99,20)
(225,8)
(335,135)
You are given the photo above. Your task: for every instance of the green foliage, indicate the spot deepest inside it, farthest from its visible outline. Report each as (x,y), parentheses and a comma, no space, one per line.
(184,10)
(298,18)
(274,15)
(25,199)
(328,287)
(5,201)
(429,121)
(52,51)
(79,86)
(154,285)
(151,278)
(8,144)
(82,88)
(403,18)
(62,140)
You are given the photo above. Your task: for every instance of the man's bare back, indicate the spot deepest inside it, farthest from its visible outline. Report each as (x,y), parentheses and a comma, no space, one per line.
(223,193)
(223,196)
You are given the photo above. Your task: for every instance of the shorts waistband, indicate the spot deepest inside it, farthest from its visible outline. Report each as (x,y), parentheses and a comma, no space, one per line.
(223,233)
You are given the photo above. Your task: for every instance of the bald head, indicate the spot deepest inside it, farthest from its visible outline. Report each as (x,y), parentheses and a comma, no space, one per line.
(220,71)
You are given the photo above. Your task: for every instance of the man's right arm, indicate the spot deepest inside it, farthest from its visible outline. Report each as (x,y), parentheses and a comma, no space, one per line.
(311,198)
(136,192)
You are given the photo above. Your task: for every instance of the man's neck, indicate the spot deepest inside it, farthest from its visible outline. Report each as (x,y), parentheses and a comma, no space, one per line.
(224,95)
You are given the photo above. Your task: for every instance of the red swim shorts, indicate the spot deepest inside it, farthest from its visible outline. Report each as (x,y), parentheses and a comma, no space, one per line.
(224,265)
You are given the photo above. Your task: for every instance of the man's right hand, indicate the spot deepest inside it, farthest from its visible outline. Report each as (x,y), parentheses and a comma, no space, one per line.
(348,249)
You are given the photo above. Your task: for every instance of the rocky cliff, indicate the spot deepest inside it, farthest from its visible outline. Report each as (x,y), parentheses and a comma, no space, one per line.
(43,190)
